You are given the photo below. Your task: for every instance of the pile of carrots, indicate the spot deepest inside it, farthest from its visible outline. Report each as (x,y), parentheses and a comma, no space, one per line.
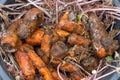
(67,41)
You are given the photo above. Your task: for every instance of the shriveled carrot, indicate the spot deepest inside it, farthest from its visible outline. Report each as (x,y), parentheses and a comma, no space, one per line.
(36,37)
(25,65)
(62,33)
(77,39)
(38,62)
(68,67)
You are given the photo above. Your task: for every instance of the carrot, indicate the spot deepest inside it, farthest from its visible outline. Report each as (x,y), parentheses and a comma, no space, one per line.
(25,65)
(45,44)
(13,27)
(34,15)
(43,70)
(45,47)
(10,42)
(77,75)
(55,73)
(38,63)
(77,39)
(36,38)
(31,20)
(59,35)
(62,33)
(11,39)
(68,67)
(23,28)
(56,77)
(55,37)
(58,50)
(101,40)
(70,26)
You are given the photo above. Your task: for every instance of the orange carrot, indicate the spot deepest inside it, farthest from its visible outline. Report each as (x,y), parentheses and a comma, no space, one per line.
(45,44)
(62,33)
(45,47)
(101,52)
(56,77)
(43,70)
(38,62)
(36,38)
(10,42)
(77,75)
(70,26)
(25,65)
(68,67)
(23,28)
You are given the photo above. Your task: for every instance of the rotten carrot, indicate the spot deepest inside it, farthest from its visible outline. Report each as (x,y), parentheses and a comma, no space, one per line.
(77,39)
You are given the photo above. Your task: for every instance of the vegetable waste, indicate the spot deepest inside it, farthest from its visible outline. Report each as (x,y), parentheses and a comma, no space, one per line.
(44,48)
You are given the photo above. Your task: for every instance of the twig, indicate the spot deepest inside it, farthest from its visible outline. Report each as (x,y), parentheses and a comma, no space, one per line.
(13,61)
(114,11)
(106,75)
(19,16)
(48,4)
(84,3)
(79,6)
(59,71)
(56,11)
(102,69)
(101,15)
(61,2)
(103,9)
(36,2)
(70,3)
(115,17)
(98,68)
(114,14)
(5,18)
(40,9)
(10,5)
